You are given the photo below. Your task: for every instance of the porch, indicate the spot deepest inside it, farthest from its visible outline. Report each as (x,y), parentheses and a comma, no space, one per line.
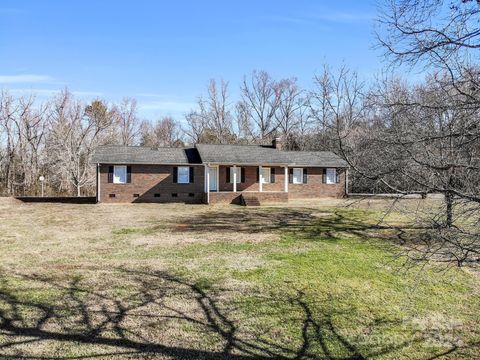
(232,183)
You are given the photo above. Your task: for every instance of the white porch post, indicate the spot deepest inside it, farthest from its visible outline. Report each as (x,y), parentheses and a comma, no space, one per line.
(207,171)
(346,182)
(234,177)
(286,178)
(98,182)
(260,185)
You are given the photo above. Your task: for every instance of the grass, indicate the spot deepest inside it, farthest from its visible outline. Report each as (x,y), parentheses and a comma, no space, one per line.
(311,280)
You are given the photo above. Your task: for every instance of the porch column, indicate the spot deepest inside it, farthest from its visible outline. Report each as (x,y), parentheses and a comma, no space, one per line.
(286,178)
(207,181)
(260,185)
(234,177)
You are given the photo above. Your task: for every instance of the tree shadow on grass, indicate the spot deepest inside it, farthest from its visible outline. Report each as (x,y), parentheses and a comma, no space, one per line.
(303,222)
(160,314)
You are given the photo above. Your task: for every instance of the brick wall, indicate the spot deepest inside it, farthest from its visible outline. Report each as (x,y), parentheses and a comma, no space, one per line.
(148,180)
(313,188)
(234,198)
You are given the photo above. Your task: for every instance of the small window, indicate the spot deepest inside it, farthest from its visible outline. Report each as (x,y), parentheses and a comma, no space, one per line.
(238,170)
(191,194)
(331,176)
(298,176)
(119,174)
(174,195)
(183,175)
(111,195)
(156,195)
(266,173)
(136,195)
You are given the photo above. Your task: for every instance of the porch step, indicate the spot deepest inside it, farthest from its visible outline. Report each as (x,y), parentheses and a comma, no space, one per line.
(250,200)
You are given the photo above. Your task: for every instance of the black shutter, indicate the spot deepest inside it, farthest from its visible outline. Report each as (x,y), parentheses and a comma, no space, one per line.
(129,174)
(110,174)
(305,176)
(324,176)
(191,174)
(290,176)
(175,174)
(227,175)
(272,175)
(337,176)
(242,175)
(258,174)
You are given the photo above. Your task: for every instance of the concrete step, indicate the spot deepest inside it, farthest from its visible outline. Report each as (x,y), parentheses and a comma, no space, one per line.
(250,200)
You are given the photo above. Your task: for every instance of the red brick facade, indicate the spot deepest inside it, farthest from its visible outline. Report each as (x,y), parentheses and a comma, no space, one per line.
(154,183)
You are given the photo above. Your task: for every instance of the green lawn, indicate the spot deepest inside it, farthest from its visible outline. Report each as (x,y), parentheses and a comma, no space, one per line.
(311,280)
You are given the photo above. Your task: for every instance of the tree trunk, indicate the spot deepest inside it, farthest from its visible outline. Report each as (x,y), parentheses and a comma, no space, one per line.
(449,208)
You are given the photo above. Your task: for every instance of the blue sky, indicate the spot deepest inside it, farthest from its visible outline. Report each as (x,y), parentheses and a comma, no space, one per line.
(164,52)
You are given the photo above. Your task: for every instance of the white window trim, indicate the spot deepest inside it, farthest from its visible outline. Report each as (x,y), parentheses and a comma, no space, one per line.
(116,180)
(269,177)
(239,175)
(301,176)
(179,181)
(327,180)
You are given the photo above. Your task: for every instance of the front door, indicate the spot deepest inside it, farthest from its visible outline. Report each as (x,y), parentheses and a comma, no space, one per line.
(212,174)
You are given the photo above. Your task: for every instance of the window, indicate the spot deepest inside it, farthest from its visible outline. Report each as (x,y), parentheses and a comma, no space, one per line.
(174,195)
(331,176)
(191,195)
(183,175)
(265,175)
(111,195)
(156,195)
(119,174)
(298,176)
(239,174)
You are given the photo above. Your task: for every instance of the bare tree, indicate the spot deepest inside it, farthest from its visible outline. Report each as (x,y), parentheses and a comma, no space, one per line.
(211,121)
(127,122)
(75,133)
(261,99)
(165,132)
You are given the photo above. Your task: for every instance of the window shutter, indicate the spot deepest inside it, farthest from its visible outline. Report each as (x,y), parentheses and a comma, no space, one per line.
(324,176)
(337,176)
(242,175)
(191,173)
(272,175)
(175,174)
(227,175)
(305,176)
(129,174)
(290,176)
(110,174)
(258,175)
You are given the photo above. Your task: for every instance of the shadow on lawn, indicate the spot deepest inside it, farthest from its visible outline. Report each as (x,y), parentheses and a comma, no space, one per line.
(306,223)
(137,324)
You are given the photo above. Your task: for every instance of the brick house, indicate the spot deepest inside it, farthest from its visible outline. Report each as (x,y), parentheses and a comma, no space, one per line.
(211,174)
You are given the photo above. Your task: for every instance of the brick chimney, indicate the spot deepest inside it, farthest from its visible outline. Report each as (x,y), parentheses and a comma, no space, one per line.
(278,143)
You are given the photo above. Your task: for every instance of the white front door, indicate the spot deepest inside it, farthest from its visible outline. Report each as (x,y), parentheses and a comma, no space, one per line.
(213,175)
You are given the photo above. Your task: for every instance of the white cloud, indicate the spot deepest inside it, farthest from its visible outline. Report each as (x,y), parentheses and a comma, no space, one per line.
(51,92)
(24,78)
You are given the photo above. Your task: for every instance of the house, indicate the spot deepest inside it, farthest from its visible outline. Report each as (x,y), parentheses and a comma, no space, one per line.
(207,173)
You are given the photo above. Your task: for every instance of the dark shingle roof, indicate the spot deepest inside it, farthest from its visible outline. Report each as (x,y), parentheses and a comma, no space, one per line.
(267,155)
(215,154)
(112,154)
